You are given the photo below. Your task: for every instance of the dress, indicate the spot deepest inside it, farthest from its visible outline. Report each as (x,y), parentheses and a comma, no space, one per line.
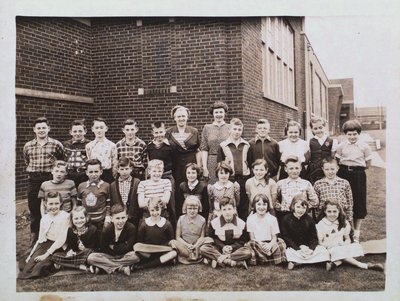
(217,191)
(329,236)
(254,187)
(211,138)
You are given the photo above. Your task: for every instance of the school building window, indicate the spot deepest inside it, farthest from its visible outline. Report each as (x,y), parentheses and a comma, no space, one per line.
(278,60)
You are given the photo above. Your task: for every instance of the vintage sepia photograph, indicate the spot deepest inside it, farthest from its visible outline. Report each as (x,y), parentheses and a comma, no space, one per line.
(179,156)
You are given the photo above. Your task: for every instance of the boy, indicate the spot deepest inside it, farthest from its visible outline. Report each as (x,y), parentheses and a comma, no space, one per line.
(39,156)
(75,152)
(116,245)
(95,195)
(133,148)
(230,235)
(102,149)
(292,186)
(66,188)
(157,187)
(124,190)
(264,147)
(333,187)
(161,149)
(234,151)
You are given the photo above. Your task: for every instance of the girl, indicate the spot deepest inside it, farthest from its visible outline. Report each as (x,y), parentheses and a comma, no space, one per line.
(81,241)
(190,231)
(321,147)
(300,235)
(154,236)
(261,183)
(263,230)
(354,157)
(222,188)
(52,235)
(333,234)
(293,145)
(193,186)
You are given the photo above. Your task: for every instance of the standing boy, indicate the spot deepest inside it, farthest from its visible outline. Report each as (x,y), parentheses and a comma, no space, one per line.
(264,147)
(234,151)
(75,152)
(102,149)
(39,156)
(133,148)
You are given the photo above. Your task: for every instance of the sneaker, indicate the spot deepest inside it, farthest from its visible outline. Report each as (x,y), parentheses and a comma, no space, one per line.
(329,266)
(94,270)
(253,261)
(125,270)
(290,265)
(205,261)
(214,264)
(242,263)
(57,266)
(376,267)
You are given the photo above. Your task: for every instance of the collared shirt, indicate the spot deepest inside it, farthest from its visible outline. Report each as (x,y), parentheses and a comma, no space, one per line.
(288,188)
(75,153)
(217,191)
(235,153)
(254,187)
(263,227)
(40,158)
(134,151)
(104,150)
(338,189)
(193,185)
(124,188)
(151,223)
(298,148)
(267,149)
(228,232)
(328,233)
(353,154)
(322,140)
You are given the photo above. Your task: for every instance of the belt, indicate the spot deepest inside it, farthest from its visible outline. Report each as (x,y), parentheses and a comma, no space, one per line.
(352,168)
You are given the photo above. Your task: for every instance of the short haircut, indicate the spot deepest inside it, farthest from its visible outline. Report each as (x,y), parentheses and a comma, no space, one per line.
(99,119)
(195,167)
(78,122)
(129,121)
(293,159)
(157,125)
(155,163)
(225,167)
(218,105)
(117,208)
(41,120)
(263,121)
(52,195)
(194,199)
(292,123)
(236,121)
(93,162)
(156,203)
(260,197)
(352,125)
(330,159)
(79,209)
(299,198)
(227,201)
(59,163)
(316,119)
(179,107)
(124,161)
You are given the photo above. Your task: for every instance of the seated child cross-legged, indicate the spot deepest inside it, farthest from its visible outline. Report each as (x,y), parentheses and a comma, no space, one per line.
(81,241)
(190,231)
(333,234)
(263,230)
(300,235)
(116,245)
(52,235)
(154,236)
(229,234)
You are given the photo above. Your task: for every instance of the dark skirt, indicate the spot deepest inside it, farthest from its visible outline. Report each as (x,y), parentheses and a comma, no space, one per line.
(73,261)
(358,182)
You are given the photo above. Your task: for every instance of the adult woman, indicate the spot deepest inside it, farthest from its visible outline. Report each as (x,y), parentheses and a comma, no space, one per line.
(213,134)
(185,141)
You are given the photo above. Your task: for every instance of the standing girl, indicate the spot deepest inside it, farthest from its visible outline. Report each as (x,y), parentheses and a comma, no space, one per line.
(193,186)
(81,241)
(52,235)
(263,230)
(154,236)
(261,183)
(293,145)
(300,235)
(354,157)
(334,234)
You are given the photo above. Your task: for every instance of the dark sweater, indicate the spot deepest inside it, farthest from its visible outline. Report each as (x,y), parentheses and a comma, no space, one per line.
(123,245)
(296,232)
(200,190)
(89,239)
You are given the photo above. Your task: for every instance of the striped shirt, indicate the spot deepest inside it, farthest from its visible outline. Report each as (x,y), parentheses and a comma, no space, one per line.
(152,189)
(135,152)
(66,189)
(40,158)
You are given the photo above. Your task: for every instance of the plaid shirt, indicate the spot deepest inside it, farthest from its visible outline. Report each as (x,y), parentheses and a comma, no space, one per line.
(40,158)
(288,188)
(340,190)
(124,188)
(135,152)
(75,153)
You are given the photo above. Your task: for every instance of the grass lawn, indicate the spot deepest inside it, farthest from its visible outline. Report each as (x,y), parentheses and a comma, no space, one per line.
(260,278)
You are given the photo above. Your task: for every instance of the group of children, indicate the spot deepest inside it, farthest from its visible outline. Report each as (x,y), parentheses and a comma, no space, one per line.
(105,207)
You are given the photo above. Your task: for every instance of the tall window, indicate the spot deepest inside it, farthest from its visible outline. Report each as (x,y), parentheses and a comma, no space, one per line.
(278,60)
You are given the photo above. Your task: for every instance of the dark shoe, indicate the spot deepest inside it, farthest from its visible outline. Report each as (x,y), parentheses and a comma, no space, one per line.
(376,266)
